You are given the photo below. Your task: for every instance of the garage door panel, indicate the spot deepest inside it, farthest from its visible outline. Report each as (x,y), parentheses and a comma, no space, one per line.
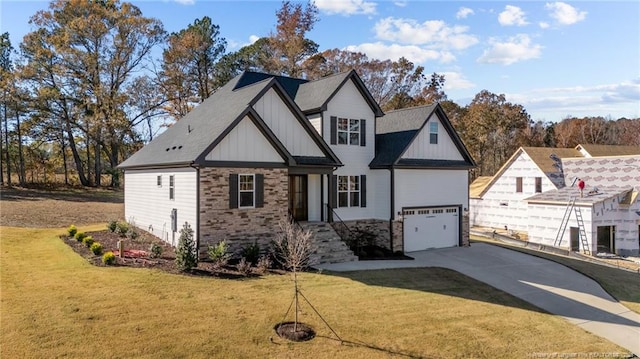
(427,228)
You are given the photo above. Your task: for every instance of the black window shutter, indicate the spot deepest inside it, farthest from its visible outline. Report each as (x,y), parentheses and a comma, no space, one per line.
(333,199)
(259,190)
(363,133)
(334,130)
(363,191)
(233,191)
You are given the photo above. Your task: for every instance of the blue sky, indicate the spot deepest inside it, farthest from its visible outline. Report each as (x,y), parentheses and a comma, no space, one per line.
(557,59)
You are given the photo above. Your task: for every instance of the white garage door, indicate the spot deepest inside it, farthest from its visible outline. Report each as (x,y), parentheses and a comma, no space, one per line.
(426,228)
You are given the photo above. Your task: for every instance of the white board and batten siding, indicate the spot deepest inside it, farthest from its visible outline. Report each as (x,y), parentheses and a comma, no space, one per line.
(244,143)
(422,148)
(349,103)
(429,203)
(148,206)
(545,220)
(501,205)
(286,127)
(316,122)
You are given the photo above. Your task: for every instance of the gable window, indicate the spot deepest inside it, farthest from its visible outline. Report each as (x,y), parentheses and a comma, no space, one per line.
(246,191)
(159,181)
(172,187)
(538,184)
(348,131)
(433,133)
(518,184)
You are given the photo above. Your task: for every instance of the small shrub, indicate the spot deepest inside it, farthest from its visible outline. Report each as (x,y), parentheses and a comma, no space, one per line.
(122,228)
(264,263)
(96,248)
(88,241)
(80,236)
(156,250)
(186,253)
(219,254)
(251,253)
(132,234)
(112,225)
(109,258)
(244,267)
(72,230)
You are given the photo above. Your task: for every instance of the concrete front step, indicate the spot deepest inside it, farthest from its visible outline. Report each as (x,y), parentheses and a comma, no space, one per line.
(329,246)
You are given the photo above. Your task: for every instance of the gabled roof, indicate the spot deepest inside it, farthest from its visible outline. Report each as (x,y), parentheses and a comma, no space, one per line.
(188,141)
(547,159)
(608,150)
(604,171)
(396,130)
(313,96)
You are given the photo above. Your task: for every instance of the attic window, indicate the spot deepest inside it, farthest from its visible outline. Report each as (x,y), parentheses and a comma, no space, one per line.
(538,184)
(433,133)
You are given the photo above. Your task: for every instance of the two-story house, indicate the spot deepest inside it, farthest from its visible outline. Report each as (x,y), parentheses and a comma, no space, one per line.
(265,147)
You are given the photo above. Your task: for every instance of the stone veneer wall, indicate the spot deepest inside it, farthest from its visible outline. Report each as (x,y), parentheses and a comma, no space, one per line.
(240,227)
(378,227)
(465,230)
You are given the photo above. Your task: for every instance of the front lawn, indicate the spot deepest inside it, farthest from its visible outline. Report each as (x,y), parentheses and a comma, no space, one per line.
(55,304)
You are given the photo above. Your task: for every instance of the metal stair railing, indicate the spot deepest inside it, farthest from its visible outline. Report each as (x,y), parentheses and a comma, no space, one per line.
(344,232)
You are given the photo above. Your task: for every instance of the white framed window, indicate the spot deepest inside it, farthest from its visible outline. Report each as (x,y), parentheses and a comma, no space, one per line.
(246,191)
(159,180)
(348,191)
(433,133)
(348,131)
(172,187)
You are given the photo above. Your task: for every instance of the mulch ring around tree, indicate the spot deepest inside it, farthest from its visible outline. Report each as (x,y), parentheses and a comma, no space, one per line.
(299,332)
(137,253)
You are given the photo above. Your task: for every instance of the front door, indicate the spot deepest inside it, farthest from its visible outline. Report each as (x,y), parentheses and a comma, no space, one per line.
(298,200)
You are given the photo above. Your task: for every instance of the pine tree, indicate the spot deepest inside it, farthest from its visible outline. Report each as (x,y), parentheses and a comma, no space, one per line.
(186,257)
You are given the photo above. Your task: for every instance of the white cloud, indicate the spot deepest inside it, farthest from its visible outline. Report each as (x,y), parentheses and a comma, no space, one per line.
(515,49)
(393,52)
(400,3)
(233,45)
(463,12)
(543,25)
(456,81)
(554,104)
(434,33)
(346,7)
(565,14)
(185,2)
(253,38)
(512,15)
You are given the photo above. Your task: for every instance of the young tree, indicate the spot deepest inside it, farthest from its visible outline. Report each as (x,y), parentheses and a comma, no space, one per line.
(186,253)
(292,248)
(5,81)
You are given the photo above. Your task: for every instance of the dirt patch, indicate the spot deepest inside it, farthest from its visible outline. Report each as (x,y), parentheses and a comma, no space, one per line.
(50,208)
(297,332)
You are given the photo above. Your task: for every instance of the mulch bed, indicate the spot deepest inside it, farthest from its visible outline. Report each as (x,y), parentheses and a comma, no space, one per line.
(379,253)
(136,253)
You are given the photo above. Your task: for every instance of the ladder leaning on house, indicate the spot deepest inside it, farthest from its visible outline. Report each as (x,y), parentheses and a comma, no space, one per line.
(571,207)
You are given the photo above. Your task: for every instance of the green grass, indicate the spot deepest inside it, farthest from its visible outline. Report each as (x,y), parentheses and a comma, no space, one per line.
(621,284)
(55,304)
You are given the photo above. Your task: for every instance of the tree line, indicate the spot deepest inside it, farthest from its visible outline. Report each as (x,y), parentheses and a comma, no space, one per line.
(83,91)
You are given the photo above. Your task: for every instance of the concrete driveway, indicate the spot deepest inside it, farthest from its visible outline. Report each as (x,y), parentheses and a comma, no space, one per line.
(543,283)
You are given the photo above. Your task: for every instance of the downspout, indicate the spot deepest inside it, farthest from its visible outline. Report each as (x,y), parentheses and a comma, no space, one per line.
(392,207)
(192,165)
